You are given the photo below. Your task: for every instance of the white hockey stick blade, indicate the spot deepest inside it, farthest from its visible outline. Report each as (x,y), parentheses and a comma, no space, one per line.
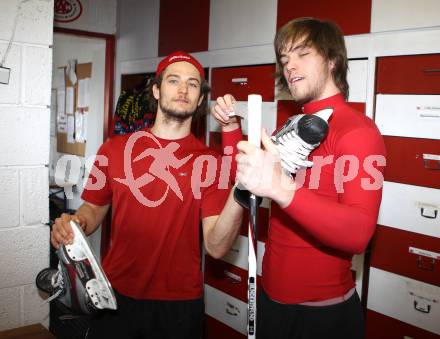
(254,119)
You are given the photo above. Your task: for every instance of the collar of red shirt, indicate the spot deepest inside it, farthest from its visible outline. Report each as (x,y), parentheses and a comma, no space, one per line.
(315,106)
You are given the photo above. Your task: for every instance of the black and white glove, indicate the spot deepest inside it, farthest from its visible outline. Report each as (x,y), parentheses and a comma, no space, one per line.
(300,135)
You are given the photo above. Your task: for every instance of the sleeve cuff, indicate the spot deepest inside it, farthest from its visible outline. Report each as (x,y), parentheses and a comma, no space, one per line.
(94,199)
(231,138)
(297,201)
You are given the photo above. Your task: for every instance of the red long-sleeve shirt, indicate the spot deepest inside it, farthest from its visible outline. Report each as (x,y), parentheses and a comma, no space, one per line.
(311,242)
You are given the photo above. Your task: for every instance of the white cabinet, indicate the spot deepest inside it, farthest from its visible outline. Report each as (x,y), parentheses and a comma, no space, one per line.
(391,15)
(357,80)
(413,116)
(405,299)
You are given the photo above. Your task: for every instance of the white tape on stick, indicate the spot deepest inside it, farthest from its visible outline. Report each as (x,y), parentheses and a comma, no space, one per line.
(254,119)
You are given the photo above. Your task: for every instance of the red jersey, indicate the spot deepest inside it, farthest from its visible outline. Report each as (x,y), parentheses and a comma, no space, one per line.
(311,242)
(157,203)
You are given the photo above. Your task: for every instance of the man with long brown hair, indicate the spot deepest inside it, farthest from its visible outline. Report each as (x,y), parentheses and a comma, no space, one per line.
(319,222)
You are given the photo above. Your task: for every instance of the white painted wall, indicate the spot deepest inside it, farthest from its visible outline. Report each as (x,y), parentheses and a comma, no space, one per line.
(84,50)
(24,149)
(241,23)
(97,16)
(138,29)
(137,37)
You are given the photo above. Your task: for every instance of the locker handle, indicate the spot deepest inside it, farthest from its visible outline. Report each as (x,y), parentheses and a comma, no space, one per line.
(425,267)
(427,115)
(421,253)
(422,213)
(235,311)
(235,250)
(425,253)
(240,81)
(231,313)
(431,161)
(236,279)
(421,309)
(428,210)
(433,70)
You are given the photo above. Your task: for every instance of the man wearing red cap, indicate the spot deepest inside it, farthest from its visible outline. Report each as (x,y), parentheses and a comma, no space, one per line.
(161,183)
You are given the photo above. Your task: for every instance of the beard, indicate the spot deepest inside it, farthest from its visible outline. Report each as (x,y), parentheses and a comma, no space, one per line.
(171,114)
(310,94)
(303,98)
(314,91)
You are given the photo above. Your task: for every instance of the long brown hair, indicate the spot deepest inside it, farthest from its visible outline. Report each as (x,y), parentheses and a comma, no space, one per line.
(325,36)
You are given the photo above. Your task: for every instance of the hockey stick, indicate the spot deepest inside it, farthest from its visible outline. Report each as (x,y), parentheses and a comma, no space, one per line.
(254,137)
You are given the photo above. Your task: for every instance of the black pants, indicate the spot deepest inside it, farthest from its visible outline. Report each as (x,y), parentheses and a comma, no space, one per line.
(287,321)
(152,319)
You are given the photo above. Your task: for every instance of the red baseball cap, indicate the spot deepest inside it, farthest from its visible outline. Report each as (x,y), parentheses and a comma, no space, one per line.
(177,57)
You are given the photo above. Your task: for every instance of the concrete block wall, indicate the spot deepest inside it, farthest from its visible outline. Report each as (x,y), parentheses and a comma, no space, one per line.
(24,157)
